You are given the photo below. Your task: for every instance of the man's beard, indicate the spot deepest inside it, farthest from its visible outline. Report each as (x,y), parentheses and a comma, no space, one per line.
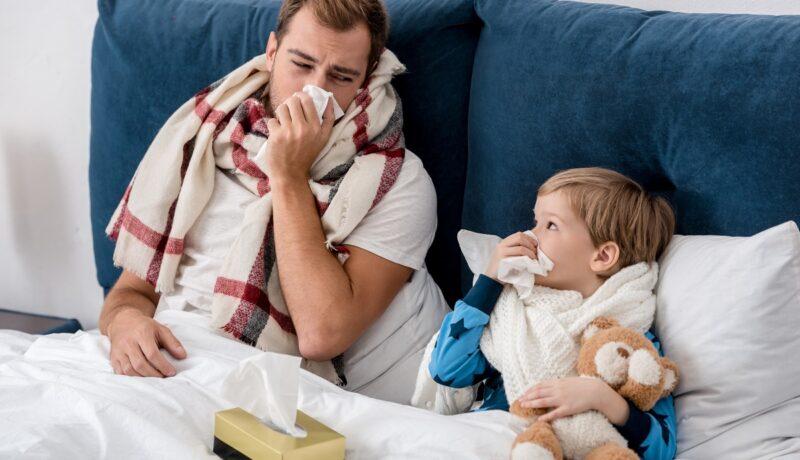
(266,101)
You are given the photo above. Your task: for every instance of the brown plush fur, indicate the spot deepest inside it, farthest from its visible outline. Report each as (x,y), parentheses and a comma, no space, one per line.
(604,330)
(541,433)
(601,332)
(612,451)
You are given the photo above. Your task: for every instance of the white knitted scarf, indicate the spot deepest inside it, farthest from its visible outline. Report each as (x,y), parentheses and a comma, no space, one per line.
(539,338)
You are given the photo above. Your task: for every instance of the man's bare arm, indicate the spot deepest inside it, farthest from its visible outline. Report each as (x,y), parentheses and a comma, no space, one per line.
(331,304)
(127,320)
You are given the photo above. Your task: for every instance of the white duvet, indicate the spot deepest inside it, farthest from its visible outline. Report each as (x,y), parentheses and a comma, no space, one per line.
(59,398)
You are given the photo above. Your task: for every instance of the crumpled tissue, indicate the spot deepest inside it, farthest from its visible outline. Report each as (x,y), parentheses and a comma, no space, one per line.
(518,271)
(266,385)
(320,98)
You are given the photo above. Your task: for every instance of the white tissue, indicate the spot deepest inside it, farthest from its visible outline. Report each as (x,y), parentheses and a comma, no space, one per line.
(518,271)
(320,98)
(266,385)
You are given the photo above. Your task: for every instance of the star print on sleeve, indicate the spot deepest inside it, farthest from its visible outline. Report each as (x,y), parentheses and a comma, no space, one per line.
(457,328)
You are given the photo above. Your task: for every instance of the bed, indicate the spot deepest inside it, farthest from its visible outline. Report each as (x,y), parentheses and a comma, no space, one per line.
(701,108)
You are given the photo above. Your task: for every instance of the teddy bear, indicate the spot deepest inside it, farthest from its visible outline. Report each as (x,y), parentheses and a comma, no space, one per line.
(631,365)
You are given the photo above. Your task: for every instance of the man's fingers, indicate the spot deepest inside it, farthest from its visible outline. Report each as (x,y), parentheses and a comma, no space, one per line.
(142,365)
(283,116)
(170,343)
(273,124)
(296,109)
(115,365)
(327,117)
(126,367)
(156,359)
(309,109)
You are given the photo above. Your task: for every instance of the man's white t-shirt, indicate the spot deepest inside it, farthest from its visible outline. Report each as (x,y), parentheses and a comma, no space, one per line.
(383,362)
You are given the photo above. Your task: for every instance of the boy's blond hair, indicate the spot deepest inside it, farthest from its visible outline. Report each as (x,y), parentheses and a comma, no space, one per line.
(616,208)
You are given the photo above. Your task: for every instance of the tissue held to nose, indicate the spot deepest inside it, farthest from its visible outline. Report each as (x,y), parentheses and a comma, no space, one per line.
(321,98)
(519,271)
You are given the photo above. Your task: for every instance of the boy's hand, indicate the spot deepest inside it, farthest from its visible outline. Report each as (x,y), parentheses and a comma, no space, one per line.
(573,395)
(518,244)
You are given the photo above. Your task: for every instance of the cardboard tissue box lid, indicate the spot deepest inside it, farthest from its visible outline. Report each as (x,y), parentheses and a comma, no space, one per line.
(239,434)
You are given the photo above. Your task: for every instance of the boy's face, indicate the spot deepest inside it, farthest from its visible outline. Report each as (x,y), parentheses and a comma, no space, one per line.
(565,238)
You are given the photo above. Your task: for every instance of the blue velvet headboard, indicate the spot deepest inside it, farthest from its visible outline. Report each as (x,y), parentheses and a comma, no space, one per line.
(149,56)
(704,109)
(701,108)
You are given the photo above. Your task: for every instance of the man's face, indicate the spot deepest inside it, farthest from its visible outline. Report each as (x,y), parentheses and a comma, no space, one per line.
(312,54)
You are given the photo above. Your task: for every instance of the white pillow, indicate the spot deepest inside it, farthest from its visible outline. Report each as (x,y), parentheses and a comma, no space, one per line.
(729,315)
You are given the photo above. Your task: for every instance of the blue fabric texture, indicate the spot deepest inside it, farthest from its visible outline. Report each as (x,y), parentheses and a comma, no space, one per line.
(150,56)
(700,108)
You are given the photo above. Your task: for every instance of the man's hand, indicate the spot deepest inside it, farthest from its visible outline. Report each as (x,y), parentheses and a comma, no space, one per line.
(573,395)
(518,244)
(135,342)
(296,137)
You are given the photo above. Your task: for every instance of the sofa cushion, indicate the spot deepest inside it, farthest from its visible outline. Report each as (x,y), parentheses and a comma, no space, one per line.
(149,56)
(701,108)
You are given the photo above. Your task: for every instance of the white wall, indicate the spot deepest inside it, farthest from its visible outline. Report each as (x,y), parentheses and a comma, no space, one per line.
(46,261)
(46,258)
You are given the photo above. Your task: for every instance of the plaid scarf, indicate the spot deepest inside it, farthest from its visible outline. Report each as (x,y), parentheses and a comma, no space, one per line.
(225,126)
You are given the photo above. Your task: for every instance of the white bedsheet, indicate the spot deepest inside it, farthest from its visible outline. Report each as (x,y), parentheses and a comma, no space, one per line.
(59,398)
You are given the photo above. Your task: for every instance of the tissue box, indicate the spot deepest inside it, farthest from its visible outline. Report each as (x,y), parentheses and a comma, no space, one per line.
(239,434)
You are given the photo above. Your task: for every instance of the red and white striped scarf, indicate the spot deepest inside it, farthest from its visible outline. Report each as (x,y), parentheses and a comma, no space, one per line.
(225,126)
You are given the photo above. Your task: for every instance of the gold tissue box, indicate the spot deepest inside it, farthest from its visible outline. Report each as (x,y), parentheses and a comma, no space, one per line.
(239,434)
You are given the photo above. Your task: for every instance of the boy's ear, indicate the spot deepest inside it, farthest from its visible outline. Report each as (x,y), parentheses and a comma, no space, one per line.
(605,258)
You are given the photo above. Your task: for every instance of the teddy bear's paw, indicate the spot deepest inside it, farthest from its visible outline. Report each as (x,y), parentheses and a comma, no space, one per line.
(537,442)
(612,451)
(530,451)
(611,362)
(644,368)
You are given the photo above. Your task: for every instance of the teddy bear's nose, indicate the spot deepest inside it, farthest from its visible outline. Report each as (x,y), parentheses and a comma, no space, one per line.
(623,352)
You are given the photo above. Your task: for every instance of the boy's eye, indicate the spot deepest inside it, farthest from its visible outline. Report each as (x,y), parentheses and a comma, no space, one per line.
(342,79)
(552,226)
(300,64)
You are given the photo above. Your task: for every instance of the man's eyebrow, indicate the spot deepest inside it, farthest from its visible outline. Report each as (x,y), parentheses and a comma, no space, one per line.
(338,68)
(303,55)
(346,70)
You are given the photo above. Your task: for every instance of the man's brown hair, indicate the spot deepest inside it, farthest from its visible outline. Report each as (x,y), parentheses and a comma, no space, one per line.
(343,15)
(616,208)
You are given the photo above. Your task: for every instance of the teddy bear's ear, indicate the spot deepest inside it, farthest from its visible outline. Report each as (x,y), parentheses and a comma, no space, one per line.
(670,376)
(596,326)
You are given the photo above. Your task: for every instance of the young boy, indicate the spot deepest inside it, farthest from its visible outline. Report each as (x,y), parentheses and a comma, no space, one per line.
(592,223)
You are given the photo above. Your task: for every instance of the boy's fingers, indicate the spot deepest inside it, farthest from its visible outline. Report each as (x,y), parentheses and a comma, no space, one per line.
(540,403)
(552,415)
(520,251)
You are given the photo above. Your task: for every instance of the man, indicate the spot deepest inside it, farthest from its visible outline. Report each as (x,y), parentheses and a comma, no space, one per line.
(373,314)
